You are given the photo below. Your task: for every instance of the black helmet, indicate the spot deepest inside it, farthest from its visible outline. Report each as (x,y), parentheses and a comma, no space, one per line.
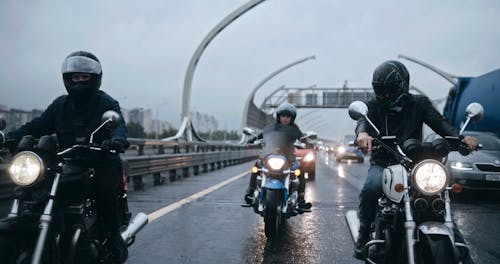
(286,109)
(390,80)
(81,62)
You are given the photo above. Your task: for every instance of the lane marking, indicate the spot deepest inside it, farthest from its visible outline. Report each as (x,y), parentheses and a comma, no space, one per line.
(171,207)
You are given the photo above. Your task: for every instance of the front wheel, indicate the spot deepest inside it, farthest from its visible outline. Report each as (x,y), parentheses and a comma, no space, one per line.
(272,216)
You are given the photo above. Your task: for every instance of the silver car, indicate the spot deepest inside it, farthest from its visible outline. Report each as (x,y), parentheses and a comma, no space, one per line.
(479,170)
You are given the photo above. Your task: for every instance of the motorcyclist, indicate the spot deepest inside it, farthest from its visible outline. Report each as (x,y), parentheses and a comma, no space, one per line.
(397,113)
(72,118)
(285,117)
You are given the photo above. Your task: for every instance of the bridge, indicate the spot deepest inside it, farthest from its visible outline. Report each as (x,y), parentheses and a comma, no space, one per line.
(191,190)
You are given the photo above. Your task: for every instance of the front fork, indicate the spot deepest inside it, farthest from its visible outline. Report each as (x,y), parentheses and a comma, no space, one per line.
(409,223)
(45,221)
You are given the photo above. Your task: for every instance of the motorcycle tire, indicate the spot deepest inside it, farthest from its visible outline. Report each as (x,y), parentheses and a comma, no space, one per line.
(272,216)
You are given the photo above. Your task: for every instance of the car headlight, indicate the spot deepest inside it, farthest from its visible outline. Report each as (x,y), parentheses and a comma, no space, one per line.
(309,157)
(276,163)
(430,177)
(464,166)
(341,150)
(26,168)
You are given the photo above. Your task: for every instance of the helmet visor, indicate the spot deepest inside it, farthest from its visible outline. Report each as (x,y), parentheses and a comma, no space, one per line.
(387,89)
(81,64)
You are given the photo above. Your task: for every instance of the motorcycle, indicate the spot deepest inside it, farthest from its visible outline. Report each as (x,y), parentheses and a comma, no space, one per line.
(276,197)
(54,218)
(413,222)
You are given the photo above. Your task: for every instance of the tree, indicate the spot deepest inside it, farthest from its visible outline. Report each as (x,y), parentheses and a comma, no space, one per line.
(135,130)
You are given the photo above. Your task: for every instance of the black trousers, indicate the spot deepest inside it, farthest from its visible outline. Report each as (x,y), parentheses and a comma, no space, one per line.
(109,183)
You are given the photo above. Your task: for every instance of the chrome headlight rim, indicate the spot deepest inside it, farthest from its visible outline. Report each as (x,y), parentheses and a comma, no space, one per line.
(35,178)
(275,162)
(423,164)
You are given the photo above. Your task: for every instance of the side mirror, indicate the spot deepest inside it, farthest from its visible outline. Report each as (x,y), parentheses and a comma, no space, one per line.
(248,131)
(312,135)
(475,112)
(357,110)
(111,118)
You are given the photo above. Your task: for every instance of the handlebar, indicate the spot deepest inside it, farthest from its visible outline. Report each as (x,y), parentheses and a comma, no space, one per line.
(87,147)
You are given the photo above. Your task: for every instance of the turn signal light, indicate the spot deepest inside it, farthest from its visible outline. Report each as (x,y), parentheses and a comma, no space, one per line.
(399,187)
(457,188)
(255,169)
(297,172)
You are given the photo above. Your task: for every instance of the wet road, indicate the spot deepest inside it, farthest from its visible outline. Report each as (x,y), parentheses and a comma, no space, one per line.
(212,227)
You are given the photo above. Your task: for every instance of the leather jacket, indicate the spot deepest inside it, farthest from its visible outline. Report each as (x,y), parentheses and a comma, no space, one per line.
(74,125)
(404,123)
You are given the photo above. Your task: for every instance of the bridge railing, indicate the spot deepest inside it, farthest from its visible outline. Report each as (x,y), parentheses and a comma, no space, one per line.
(180,159)
(162,159)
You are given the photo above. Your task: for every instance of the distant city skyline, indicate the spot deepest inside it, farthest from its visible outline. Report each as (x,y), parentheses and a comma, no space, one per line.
(145,48)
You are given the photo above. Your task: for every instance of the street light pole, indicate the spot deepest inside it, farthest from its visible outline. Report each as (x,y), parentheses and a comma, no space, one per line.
(186,125)
(261,83)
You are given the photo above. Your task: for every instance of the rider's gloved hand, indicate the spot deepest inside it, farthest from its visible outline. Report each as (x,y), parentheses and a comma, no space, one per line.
(113,144)
(471,142)
(11,144)
(364,142)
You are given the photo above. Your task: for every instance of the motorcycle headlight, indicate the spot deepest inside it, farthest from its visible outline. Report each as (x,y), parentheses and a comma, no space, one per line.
(430,177)
(26,168)
(276,163)
(309,157)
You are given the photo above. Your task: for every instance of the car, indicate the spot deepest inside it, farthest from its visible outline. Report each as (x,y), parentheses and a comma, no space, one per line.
(306,155)
(346,152)
(479,170)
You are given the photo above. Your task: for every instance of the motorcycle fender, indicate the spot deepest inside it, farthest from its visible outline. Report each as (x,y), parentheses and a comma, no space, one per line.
(435,228)
(274,184)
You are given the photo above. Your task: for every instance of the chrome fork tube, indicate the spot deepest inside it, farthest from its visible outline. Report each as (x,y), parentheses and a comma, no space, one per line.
(45,220)
(15,208)
(447,214)
(409,223)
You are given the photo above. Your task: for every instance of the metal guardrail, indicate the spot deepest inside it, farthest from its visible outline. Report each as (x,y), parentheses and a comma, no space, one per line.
(157,158)
(181,159)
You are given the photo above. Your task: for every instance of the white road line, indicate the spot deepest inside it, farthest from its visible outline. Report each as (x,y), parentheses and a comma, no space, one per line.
(171,207)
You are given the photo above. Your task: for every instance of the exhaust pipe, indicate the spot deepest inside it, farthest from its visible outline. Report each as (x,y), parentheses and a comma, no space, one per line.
(136,224)
(353,222)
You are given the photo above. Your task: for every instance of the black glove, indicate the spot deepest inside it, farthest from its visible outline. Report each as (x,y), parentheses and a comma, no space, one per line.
(113,144)
(11,144)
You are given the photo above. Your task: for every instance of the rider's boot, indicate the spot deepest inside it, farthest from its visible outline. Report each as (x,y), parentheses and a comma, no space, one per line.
(303,205)
(363,237)
(118,248)
(249,195)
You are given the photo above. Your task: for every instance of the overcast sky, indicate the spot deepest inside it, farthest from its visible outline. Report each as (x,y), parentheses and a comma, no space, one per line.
(145,48)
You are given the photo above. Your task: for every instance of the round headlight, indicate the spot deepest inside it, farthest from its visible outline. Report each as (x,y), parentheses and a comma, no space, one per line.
(276,163)
(309,157)
(26,168)
(430,177)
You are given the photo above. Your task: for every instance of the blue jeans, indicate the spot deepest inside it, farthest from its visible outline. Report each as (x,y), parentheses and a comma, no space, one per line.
(372,190)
